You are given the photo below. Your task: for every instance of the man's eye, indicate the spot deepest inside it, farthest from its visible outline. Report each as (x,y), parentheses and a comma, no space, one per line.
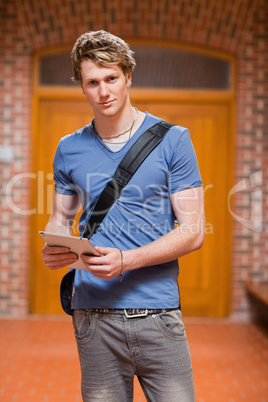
(92,83)
(112,79)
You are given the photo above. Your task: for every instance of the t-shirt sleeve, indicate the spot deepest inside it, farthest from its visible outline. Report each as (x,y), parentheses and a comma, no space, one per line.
(184,170)
(62,179)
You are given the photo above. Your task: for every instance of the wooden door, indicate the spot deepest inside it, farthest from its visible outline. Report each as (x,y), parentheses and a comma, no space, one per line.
(204,275)
(56,118)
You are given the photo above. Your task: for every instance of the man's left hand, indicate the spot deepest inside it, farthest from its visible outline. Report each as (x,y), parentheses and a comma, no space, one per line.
(107,266)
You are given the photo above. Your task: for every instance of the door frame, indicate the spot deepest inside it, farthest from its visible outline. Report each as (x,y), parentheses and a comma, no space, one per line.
(137,94)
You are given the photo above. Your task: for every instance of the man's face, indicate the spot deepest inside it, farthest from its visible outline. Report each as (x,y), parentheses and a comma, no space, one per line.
(106,88)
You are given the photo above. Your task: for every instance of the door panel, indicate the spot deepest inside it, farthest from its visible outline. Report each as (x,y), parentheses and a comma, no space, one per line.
(57,118)
(204,274)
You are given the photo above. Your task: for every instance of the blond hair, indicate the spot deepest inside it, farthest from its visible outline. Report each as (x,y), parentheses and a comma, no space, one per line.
(104,49)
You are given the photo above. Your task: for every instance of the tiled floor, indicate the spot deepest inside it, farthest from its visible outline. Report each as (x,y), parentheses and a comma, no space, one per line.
(38,361)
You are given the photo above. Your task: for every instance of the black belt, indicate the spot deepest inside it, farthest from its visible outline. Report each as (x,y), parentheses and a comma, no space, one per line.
(131,312)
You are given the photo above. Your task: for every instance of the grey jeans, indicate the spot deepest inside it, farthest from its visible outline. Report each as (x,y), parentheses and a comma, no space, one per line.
(113,349)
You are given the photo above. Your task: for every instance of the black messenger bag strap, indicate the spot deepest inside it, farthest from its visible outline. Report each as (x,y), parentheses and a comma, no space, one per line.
(144,145)
(126,169)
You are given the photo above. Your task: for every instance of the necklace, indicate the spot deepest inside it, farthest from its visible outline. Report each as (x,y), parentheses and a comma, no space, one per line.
(124,132)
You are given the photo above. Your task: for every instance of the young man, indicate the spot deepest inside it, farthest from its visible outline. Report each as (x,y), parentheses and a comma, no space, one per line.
(125,304)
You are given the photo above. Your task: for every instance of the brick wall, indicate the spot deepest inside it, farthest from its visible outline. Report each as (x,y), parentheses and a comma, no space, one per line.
(235,26)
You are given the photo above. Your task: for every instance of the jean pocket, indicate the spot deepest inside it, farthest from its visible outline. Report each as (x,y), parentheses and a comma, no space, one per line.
(84,325)
(170,324)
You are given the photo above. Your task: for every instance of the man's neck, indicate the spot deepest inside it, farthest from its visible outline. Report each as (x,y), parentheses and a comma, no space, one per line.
(117,127)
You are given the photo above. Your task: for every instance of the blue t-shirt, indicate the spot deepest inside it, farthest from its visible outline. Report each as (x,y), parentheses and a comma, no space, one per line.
(83,164)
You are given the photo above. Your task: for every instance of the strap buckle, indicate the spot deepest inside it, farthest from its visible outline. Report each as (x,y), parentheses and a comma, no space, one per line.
(132,313)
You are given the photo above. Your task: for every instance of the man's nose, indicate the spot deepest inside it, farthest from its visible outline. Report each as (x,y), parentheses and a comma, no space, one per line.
(103,90)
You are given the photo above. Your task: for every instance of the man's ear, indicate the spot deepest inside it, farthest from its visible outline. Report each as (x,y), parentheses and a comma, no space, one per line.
(82,88)
(129,82)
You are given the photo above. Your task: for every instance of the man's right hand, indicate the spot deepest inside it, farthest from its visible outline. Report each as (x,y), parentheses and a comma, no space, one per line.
(58,257)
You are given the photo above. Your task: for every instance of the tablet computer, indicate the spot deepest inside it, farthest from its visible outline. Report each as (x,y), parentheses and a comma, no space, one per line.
(78,245)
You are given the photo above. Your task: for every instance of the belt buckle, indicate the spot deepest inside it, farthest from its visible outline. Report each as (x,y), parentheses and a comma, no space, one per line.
(129,315)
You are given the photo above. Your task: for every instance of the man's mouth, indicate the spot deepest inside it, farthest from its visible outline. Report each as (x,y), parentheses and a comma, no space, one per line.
(108,103)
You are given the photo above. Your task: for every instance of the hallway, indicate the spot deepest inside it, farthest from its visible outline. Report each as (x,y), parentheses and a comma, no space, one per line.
(39,361)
